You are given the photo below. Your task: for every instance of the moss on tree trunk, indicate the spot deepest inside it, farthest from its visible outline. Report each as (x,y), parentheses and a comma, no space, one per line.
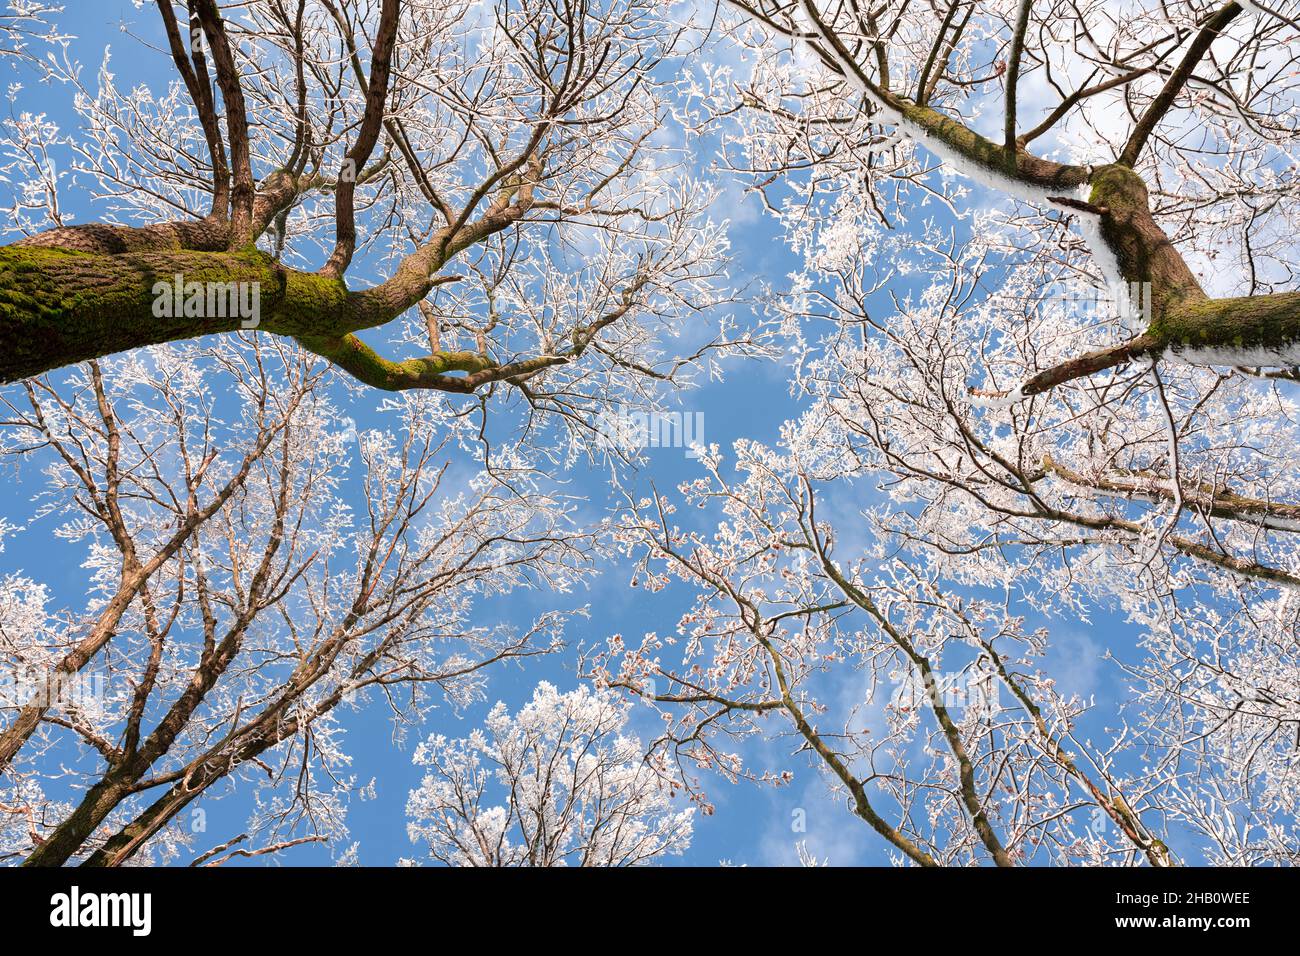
(60,306)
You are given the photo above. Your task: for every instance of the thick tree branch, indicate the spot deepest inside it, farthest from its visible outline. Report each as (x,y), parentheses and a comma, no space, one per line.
(194,73)
(1177,80)
(345,224)
(242,195)
(1013,77)
(1263,330)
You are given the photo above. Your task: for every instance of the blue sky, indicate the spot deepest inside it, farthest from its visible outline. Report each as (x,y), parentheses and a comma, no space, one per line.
(752,825)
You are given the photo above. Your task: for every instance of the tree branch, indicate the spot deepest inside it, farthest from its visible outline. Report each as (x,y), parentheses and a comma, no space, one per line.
(381,57)
(1177,80)
(1013,77)
(232,93)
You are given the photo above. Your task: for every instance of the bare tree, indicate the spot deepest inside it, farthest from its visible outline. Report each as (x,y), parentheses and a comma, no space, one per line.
(236,600)
(958,748)
(923,70)
(1066,386)
(500,165)
(577,791)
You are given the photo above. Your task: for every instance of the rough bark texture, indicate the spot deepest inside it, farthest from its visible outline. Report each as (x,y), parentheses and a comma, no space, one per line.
(59,306)
(82,292)
(1141,247)
(1266,323)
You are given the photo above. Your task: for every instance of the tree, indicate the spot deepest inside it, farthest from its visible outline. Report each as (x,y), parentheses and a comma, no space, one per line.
(1125,449)
(500,177)
(575,786)
(1045,330)
(499,165)
(237,602)
(958,747)
(1130,423)
(925,74)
